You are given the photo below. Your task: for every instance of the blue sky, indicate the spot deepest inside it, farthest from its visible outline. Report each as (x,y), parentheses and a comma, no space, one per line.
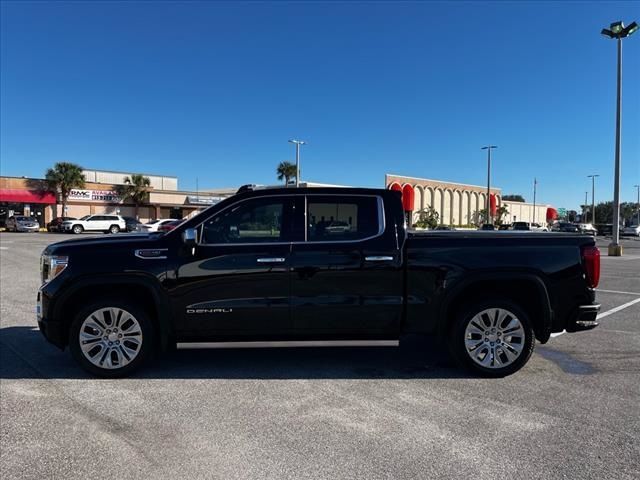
(214,90)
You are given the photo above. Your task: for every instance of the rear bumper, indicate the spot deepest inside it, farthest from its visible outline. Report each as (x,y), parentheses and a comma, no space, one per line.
(585,318)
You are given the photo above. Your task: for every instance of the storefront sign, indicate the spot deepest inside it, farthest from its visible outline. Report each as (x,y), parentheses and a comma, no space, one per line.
(201,200)
(95,196)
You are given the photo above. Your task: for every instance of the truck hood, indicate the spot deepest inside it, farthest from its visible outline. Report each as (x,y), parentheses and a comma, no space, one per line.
(107,241)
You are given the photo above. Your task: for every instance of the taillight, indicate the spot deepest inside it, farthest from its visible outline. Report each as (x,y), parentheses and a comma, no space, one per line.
(591,262)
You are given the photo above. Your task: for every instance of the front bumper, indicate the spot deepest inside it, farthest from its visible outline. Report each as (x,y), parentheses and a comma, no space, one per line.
(585,318)
(24,228)
(52,331)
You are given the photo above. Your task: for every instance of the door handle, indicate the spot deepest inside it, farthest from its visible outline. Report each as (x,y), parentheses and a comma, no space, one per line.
(379,258)
(271,260)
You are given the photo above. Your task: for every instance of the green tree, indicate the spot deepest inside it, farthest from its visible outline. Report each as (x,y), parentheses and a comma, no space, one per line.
(501,214)
(514,198)
(135,188)
(62,178)
(286,171)
(428,218)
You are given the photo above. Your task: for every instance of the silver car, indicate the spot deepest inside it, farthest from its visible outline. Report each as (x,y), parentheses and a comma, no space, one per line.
(632,230)
(22,224)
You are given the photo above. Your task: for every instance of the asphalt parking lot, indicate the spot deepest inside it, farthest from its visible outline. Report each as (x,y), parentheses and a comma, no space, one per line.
(572,412)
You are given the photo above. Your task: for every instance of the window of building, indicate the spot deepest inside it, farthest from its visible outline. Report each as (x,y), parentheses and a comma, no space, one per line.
(253,221)
(350,218)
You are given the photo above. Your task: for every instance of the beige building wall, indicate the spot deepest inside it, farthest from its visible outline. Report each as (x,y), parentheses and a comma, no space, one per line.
(524,212)
(456,203)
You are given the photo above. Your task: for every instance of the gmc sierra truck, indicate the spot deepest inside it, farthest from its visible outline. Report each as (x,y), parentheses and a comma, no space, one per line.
(322,264)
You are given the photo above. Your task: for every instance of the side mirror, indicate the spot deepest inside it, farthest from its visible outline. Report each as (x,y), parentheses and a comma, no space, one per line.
(190,237)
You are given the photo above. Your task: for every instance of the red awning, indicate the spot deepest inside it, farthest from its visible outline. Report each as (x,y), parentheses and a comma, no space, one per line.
(15,195)
(493,207)
(552,214)
(407,198)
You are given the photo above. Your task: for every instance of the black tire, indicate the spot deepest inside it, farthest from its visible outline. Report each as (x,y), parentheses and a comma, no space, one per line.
(458,337)
(147,337)
(77,229)
(113,229)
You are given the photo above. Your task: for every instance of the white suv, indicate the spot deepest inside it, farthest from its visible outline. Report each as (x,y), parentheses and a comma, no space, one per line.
(95,223)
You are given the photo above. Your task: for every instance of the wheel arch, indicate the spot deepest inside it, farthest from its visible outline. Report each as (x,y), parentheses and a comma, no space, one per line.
(527,290)
(137,288)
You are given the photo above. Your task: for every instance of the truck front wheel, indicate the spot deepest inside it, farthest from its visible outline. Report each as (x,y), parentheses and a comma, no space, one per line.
(494,338)
(111,338)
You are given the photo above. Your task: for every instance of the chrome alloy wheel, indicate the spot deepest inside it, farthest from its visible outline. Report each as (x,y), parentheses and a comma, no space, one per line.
(494,338)
(110,338)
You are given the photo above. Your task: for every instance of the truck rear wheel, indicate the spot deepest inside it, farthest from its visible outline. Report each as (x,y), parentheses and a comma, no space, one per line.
(111,338)
(494,338)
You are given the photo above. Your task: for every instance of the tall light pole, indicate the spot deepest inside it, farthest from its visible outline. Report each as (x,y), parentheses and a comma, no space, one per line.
(637,187)
(586,210)
(488,148)
(297,143)
(618,31)
(535,184)
(593,197)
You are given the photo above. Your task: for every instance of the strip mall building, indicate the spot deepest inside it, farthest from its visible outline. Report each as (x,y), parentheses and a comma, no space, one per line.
(28,196)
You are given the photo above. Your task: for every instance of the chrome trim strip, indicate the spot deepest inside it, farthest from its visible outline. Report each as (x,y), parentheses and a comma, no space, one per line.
(161,257)
(378,258)
(271,260)
(290,344)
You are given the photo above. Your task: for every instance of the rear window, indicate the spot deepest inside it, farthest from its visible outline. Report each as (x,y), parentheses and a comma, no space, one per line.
(331,218)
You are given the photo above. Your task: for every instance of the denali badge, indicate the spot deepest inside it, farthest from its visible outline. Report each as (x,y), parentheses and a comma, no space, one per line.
(209,310)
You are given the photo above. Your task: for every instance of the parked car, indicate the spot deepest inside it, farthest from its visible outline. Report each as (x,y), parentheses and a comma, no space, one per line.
(223,276)
(95,223)
(153,225)
(54,225)
(168,226)
(133,224)
(587,228)
(488,226)
(504,226)
(604,228)
(632,230)
(20,223)
(566,227)
(527,226)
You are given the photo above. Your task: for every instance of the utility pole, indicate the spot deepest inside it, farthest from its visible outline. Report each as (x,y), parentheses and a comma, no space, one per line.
(535,184)
(297,143)
(618,31)
(593,197)
(488,148)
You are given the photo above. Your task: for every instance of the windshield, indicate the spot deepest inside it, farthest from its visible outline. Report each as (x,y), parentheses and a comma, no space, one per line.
(22,219)
(85,217)
(152,222)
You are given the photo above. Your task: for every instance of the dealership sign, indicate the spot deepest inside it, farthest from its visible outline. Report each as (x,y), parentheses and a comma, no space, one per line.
(95,195)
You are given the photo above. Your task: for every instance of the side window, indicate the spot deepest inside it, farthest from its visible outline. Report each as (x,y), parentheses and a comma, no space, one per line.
(331,218)
(261,220)
(111,218)
(95,218)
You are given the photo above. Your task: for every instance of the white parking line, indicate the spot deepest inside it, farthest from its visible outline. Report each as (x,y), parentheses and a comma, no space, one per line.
(617,309)
(4,248)
(617,291)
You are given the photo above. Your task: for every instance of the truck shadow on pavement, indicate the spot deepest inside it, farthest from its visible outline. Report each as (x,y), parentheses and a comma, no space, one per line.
(24,354)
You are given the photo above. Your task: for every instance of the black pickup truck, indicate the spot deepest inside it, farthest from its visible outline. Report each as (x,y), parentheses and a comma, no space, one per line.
(321,264)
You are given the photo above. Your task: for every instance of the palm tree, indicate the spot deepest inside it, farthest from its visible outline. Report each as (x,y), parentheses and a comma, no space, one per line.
(286,171)
(62,178)
(136,187)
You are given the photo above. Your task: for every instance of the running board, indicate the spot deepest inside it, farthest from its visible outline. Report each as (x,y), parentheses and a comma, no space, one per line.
(290,344)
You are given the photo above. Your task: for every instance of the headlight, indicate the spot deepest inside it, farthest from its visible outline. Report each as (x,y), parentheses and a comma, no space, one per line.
(51,266)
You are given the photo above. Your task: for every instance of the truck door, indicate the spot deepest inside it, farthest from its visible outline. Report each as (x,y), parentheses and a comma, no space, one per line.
(347,274)
(236,281)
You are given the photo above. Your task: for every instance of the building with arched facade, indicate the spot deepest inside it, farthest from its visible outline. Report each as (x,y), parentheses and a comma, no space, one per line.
(456,203)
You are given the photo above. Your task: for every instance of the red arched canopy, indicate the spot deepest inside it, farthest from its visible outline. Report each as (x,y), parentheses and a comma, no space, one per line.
(407,198)
(552,214)
(395,186)
(493,204)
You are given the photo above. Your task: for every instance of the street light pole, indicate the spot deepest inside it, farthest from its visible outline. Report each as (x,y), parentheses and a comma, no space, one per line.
(593,197)
(638,202)
(488,148)
(618,31)
(586,210)
(535,184)
(297,143)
